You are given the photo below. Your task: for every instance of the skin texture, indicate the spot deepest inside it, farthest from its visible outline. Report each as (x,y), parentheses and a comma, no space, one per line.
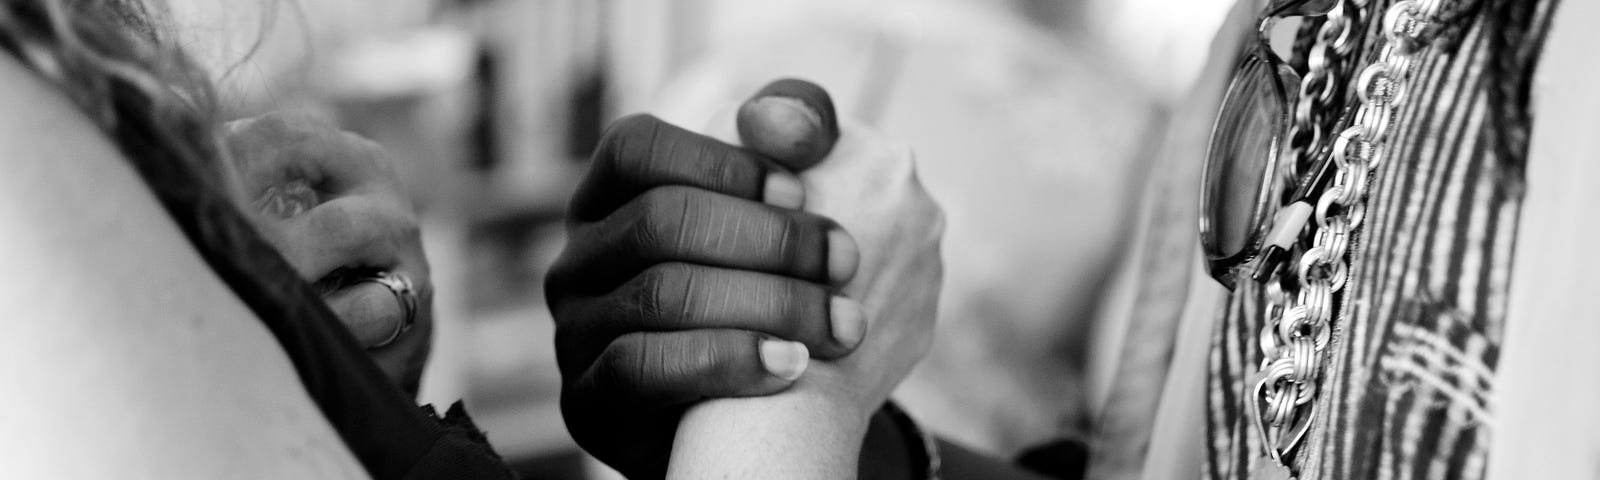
(690,259)
(678,281)
(815,429)
(330,202)
(790,121)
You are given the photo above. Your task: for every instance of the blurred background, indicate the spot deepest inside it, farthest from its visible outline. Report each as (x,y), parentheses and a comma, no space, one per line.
(1034,122)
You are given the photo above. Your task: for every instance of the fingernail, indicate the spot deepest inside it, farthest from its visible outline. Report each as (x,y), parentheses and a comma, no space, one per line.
(783,128)
(849,322)
(367,310)
(785,359)
(843,255)
(783,190)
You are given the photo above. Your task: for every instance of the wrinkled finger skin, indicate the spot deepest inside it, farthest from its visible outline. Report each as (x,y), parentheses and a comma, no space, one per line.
(868,184)
(815,429)
(676,274)
(330,202)
(645,331)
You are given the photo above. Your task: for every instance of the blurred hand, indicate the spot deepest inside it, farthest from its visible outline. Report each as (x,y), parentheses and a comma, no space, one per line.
(329,201)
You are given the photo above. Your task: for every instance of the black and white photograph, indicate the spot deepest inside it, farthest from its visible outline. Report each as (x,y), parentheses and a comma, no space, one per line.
(799,239)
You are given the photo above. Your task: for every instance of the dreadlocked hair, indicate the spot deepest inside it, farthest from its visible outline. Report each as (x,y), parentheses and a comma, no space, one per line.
(111,60)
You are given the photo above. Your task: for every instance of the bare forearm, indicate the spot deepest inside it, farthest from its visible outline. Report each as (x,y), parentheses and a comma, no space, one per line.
(799,434)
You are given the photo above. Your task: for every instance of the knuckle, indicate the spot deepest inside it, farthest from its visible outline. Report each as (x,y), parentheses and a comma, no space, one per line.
(664,211)
(618,146)
(730,170)
(723,173)
(344,221)
(787,239)
(658,299)
(706,360)
(569,360)
(559,301)
(900,161)
(632,124)
(645,362)
(623,362)
(702,359)
(395,216)
(368,220)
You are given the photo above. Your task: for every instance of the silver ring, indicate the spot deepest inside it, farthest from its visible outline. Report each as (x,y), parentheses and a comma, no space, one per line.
(400,286)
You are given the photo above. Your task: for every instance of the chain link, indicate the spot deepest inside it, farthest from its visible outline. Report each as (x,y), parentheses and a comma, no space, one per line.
(1301,306)
(1335,39)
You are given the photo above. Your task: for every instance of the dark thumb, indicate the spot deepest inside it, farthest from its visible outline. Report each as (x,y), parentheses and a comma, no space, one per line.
(790,121)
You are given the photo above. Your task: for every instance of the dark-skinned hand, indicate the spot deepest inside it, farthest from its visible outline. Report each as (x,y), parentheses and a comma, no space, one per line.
(690,273)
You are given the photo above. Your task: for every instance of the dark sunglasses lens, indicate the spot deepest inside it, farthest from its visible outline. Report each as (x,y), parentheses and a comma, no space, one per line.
(1241,149)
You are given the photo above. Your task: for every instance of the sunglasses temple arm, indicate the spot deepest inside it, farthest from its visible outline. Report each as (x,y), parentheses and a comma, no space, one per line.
(1286,228)
(1291,219)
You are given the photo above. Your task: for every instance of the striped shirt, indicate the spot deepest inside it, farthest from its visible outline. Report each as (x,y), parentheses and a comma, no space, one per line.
(1405,391)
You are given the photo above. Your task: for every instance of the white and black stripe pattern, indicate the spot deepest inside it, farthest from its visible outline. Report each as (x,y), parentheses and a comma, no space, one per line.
(1417,337)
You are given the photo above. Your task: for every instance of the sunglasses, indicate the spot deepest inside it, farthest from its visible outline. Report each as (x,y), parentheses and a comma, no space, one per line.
(1249,168)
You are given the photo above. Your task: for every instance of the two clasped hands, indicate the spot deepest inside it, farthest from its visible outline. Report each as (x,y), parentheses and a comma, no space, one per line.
(699,269)
(784,260)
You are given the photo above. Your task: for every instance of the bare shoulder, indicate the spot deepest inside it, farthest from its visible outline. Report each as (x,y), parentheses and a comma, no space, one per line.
(123,353)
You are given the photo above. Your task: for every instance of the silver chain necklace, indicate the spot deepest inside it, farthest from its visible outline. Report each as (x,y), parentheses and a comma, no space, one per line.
(1294,342)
